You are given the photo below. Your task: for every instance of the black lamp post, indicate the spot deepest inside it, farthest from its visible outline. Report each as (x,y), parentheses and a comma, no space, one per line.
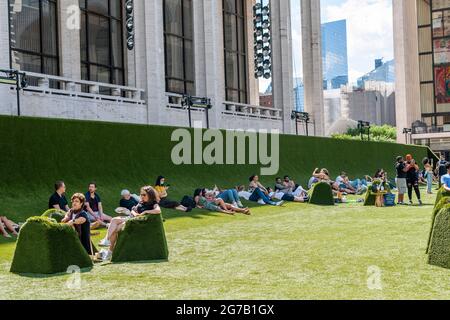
(17,78)
(407,132)
(362,126)
(301,117)
(197,102)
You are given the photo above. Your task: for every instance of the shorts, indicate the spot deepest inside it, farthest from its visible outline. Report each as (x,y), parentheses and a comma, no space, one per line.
(402,186)
(288,197)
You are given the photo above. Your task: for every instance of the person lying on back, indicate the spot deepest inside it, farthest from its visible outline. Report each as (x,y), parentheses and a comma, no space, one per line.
(58,200)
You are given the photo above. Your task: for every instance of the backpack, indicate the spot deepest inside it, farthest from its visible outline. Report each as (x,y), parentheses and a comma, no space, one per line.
(188,202)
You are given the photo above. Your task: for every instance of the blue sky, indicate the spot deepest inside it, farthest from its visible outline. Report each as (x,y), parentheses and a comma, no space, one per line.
(369,28)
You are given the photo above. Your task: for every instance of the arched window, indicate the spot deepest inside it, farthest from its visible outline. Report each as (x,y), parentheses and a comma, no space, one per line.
(179,46)
(102,57)
(235,50)
(34,36)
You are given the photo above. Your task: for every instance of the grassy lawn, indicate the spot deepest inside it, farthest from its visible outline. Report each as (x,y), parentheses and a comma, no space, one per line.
(294,252)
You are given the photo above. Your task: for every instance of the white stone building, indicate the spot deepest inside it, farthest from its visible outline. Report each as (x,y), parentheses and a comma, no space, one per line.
(78,65)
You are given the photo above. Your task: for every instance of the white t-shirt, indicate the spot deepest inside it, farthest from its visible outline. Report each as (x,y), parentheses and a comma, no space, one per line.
(276,195)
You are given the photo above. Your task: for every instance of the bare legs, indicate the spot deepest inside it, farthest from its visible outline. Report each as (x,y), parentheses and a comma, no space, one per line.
(9,225)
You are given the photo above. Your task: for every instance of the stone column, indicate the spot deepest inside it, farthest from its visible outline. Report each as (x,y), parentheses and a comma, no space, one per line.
(151,43)
(4,35)
(199,48)
(69,39)
(282,77)
(312,63)
(406,48)
(214,59)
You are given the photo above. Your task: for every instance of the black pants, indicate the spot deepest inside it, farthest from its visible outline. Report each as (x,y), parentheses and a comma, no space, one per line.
(413,185)
(168,204)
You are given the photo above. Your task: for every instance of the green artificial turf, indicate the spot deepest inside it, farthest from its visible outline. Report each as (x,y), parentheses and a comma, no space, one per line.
(298,251)
(54,214)
(439,249)
(143,239)
(321,194)
(46,247)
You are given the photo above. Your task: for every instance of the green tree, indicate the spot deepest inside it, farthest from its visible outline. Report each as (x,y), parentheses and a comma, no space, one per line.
(383,133)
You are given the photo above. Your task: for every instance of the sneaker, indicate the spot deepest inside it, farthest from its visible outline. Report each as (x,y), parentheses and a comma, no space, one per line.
(280,203)
(261,201)
(107,225)
(411,203)
(106,255)
(188,209)
(104,243)
(240,205)
(420,203)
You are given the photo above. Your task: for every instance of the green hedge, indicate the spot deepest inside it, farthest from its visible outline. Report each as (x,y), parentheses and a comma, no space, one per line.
(46,247)
(143,239)
(54,214)
(321,194)
(439,249)
(36,152)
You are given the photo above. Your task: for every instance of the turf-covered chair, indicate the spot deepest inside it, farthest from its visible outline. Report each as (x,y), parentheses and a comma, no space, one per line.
(321,194)
(441,194)
(142,239)
(439,248)
(55,214)
(46,247)
(444,202)
(372,192)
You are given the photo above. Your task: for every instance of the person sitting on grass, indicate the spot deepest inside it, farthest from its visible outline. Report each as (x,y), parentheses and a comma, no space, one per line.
(207,200)
(279,195)
(164,202)
(147,206)
(94,208)
(259,193)
(58,200)
(445,180)
(79,220)
(127,203)
(8,225)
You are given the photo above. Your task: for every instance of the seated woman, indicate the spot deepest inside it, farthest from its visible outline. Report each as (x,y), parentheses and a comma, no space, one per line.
(8,225)
(147,206)
(279,195)
(207,200)
(78,219)
(259,192)
(164,202)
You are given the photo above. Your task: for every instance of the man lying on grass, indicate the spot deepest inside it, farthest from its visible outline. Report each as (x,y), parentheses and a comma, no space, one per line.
(147,206)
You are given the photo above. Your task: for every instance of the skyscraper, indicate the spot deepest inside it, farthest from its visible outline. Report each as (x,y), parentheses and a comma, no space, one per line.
(334,54)
(384,72)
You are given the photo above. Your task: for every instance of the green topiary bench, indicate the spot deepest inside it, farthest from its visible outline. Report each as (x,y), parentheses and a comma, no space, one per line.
(442,201)
(46,247)
(370,198)
(441,194)
(439,249)
(321,194)
(142,239)
(55,214)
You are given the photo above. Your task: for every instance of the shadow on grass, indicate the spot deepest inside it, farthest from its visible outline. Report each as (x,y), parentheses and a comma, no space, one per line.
(104,264)
(47,276)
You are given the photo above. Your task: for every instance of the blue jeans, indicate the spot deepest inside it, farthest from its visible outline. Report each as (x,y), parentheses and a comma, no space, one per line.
(229,196)
(429,177)
(258,194)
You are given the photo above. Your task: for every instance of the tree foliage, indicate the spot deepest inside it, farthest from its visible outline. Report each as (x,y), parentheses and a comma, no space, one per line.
(383,133)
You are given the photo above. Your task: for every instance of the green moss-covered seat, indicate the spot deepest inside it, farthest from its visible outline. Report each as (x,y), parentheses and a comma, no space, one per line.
(439,249)
(55,214)
(443,203)
(441,194)
(142,239)
(46,247)
(321,194)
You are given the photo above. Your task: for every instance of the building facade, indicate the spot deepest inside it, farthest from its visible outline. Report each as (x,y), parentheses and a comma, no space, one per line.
(334,54)
(78,65)
(422,58)
(383,72)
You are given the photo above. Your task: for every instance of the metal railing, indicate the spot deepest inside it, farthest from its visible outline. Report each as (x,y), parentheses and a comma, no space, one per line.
(55,85)
(251,111)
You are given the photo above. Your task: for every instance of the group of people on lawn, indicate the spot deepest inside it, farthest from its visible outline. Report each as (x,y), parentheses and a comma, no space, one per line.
(87,210)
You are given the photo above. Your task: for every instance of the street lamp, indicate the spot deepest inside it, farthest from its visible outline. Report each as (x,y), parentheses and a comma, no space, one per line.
(17,78)
(197,102)
(362,126)
(301,117)
(407,132)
